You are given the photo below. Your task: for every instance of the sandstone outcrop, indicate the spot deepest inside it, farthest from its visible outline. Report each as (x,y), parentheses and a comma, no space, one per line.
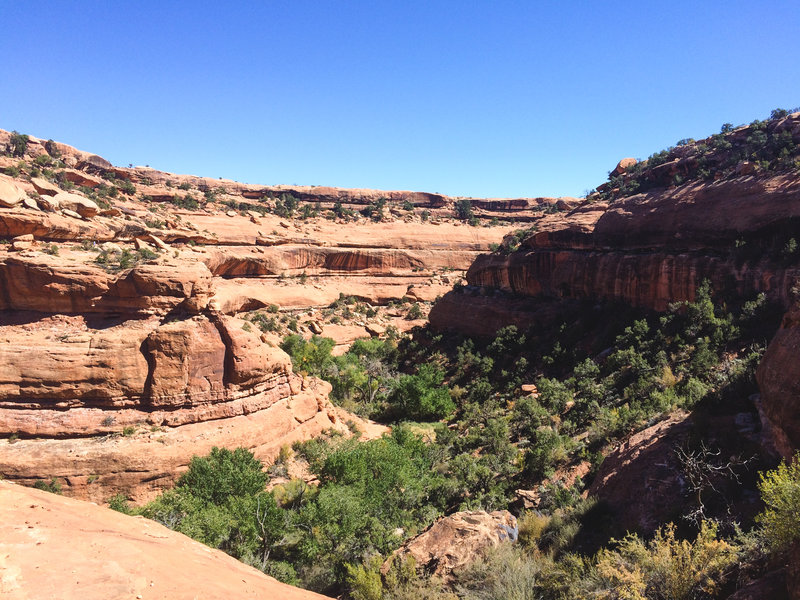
(56,547)
(641,480)
(10,194)
(653,248)
(780,385)
(121,348)
(457,540)
(89,355)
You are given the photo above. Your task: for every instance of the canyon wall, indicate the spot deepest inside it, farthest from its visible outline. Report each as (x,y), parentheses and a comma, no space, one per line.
(124,294)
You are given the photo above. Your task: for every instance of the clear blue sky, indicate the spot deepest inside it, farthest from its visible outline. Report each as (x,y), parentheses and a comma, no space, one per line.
(485,98)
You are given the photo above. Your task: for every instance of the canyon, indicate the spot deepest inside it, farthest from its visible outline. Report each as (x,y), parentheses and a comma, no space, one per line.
(141,312)
(123,314)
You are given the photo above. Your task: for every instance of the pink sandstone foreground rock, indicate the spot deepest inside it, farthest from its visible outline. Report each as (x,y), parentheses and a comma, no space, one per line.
(56,547)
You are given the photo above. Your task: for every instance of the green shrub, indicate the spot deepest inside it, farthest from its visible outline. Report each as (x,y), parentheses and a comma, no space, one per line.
(415,312)
(53,486)
(146,254)
(127,187)
(223,473)
(463,209)
(119,502)
(665,567)
(422,397)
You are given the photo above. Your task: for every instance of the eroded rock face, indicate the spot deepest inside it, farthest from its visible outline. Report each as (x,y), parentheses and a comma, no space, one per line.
(457,540)
(652,249)
(52,547)
(89,354)
(779,383)
(50,285)
(10,194)
(120,354)
(641,480)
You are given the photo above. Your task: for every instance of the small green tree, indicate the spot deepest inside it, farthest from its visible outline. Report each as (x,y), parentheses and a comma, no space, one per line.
(18,143)
(463,209)
(224,473)
(422,396)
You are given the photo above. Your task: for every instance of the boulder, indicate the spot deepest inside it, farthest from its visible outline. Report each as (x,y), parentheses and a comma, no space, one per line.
(457,540)
(81,178)
(10,194)
(140,244)
(778,378)
(623,165)
(375,330)
(30,203)
(48,203)
(97,161)
(83,206)
(22,242)
(70,213)
(159,242)
(44,187)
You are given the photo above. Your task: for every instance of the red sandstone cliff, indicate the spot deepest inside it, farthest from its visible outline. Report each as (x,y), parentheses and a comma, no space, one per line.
(653,248)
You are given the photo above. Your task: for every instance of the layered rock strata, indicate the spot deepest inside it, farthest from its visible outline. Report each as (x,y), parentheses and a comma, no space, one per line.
(111,381)
(652,249)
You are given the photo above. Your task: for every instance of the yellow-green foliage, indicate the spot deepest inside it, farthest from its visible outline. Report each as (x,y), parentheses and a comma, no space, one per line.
(531,526)
(780,491)
(665,568)
(365,580)
(400,582)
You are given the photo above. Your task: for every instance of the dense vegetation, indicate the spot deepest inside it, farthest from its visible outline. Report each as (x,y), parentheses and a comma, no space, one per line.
(477,437)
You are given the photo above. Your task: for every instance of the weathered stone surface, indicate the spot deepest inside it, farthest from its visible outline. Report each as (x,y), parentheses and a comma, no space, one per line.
(641,480)
(68,212)
(47,203)
(52,227)
(648,250)
(456,540)
(80,178)
(29,202)
(10,194)
(779,383)
(44,187)
(771,586)
(143,464)
(45,283)
(53,545)
(83,206)
(623,165)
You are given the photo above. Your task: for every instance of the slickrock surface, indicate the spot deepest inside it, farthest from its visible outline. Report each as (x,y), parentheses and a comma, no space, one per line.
(56,547)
